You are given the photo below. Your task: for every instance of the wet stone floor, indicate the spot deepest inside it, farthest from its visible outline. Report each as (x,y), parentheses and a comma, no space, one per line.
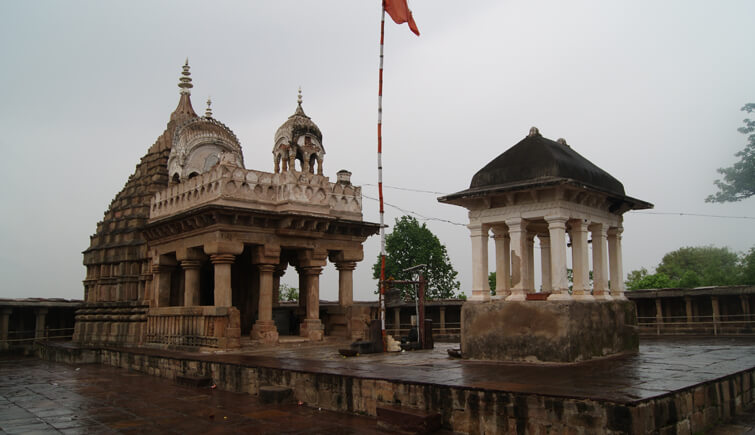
(39,397)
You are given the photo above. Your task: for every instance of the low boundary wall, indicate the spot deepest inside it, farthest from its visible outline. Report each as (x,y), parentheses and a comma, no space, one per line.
(465,410)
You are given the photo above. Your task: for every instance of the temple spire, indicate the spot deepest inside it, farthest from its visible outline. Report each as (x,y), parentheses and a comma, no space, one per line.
(208,111)
(184,109)
(185,81)
(299,110)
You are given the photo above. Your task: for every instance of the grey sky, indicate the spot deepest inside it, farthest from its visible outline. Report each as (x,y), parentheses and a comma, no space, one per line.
(649,91)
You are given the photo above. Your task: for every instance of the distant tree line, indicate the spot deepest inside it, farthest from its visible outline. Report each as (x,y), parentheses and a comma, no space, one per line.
(697,266)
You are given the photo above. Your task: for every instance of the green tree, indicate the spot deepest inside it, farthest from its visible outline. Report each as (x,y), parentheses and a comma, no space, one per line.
(288,293)
(410,244)
(693,267)
(739,180)
(491,283)
(700,266)
(747,268)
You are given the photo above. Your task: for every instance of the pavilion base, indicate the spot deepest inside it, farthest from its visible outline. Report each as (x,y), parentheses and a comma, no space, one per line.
(548,331)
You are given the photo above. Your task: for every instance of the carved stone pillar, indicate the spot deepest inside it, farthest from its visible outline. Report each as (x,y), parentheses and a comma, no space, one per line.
(599,261)
(4,327)
(191,282)
(346,283)
(519,262)
(580,261)
(161,284)
(480,286)
(39,325)
(312,327)
(443,317)
(559,281)
(614,261)
(223,291)
(502,262)
(545,261)
(264,328)
(396,321)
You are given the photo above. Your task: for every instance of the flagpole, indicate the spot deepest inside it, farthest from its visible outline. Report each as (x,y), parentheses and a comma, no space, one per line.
(380,177)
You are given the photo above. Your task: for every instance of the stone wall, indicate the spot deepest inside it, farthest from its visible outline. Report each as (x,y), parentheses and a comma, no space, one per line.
(548,331)
(463,410)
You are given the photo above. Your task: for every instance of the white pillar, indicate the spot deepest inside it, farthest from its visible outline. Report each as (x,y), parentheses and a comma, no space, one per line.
(559,282)
(480,286)
(519,263)
(580,260)
(529,283)
(502,262)
(614,260)
(545,261)
(599,261)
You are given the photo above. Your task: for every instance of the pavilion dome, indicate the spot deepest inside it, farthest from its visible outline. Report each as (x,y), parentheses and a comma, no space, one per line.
(199,144)
(298,139)
(537,160)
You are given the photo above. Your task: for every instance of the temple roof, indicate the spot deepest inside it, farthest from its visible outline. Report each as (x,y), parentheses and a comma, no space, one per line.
(538,161)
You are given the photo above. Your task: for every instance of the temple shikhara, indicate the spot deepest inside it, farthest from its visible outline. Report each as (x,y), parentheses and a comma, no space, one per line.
(190,253)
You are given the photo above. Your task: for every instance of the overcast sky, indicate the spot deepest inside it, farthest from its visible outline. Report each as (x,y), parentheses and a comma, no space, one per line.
(649,91)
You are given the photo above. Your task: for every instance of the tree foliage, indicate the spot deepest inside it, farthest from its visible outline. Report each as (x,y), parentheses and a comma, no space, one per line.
(739,180)
(694,267)
(288,293)
(410,244)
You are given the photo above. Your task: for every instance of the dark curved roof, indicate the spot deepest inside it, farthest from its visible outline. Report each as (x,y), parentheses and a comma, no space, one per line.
(535,160)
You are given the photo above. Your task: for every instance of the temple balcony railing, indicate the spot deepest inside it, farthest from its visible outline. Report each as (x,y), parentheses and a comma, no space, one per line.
(193,327)
(737,324)
(289,191)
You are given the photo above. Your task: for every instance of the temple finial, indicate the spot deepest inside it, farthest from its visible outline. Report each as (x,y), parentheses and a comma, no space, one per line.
(298,100)
(185,81)
(208,112)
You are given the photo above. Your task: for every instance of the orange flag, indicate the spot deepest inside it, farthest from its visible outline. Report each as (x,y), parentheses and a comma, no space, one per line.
(399,11)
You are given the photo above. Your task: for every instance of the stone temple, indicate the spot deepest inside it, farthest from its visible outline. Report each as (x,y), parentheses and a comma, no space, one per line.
(190,253)
(544,189)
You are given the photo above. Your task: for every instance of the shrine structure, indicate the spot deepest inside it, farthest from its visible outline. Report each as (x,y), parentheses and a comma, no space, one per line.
(191,251)
(543,189)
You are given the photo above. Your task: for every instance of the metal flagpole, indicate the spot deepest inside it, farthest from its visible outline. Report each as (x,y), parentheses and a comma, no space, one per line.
(380,178)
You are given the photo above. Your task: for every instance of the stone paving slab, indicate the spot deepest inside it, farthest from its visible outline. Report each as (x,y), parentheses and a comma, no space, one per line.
(661,367)
(44,398)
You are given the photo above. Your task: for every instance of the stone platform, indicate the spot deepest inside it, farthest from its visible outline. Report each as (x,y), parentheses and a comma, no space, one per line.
(559,331)
(684,385)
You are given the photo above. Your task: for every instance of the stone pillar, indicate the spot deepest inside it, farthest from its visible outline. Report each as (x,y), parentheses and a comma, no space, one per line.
(658,311)
(346,283)
(518,234)
(397,321)
(744,300)
(614,260)
(529,283)
(302,289)
(599,261)
(4,327)
(264,328)
(161,284)
(191,282)
(39,325)
(502,262)
(480,286)
(545,262)
(580,261)
(223,291)
(688,309)
(716,314)
(559,281)
(443,318)
(312,327)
